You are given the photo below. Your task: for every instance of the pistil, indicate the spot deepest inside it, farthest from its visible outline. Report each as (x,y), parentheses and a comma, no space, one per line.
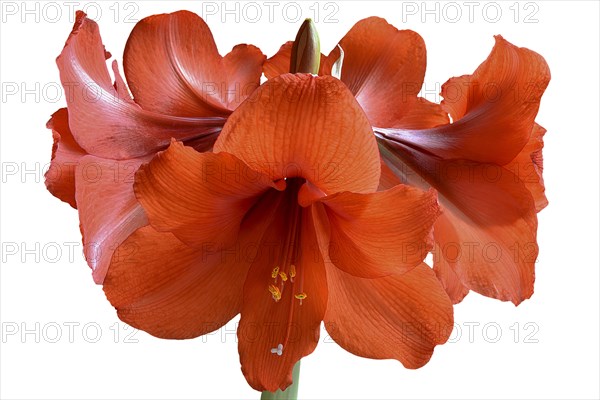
(286,276)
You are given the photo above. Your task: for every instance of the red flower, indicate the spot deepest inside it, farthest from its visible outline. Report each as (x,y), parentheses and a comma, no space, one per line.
(283,224)
(486,165)
(182,88)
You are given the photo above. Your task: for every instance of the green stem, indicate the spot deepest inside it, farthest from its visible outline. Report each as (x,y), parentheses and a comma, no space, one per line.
(291,393)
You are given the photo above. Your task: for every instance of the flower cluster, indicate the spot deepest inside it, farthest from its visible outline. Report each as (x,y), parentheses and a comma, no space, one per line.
(203,194)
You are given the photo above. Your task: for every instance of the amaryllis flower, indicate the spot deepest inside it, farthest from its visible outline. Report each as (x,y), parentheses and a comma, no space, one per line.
(283,224)
(486,165)
(182,88)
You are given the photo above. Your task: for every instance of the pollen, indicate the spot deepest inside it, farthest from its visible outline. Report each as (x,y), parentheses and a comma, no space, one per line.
(275,273)
(275,292)
(283,276)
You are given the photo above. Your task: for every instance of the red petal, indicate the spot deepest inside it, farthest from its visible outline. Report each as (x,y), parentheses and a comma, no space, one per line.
(265,323)
(373,235)
(529,165)
(496,261)
(66,153)
(200,197)
(388,178)
(300,125)
(384,68)
(104,120)
(173,66)
(448,277)
(402,317)
(488,219)
(456,100)
(495,108)
(242,71)
(279,63)
(108,209)
(419,113)
(170,290)
(160,285)
(445,273)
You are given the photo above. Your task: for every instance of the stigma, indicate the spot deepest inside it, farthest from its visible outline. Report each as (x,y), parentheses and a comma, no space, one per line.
(278,350)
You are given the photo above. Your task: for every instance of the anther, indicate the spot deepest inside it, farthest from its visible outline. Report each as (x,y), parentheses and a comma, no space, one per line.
(292,272)
(275,292)
(275,273)
(283,276)
(300,296)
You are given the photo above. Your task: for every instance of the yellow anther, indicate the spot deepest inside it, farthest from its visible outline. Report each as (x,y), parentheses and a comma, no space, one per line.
(292,272)
(275,292)
(275,273)
(283,276)
(300,296)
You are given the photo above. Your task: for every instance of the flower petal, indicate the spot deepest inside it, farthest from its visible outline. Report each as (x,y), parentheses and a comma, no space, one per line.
(279,63)
(103,118)
(200,197)
(384,68)
(376,234)
(400,316)
(301,125)
(448,277)
(496,261)
(455,94)
(529,165)
(108,209)
(161,286)
(488,219)
(173,66)
(243,69)
(265,324)
(493,109)
(373,235)
(419,113)
(66,153)
(170,290)
(444,272)
(388,178)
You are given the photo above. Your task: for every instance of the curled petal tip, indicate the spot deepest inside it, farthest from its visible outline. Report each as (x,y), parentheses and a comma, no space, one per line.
(336,68)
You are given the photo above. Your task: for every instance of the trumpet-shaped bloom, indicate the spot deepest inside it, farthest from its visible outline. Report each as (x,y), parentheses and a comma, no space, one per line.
(486,164)
(283,224)
(182,88)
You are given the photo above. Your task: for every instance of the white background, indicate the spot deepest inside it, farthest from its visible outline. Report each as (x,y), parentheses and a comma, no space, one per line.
(554,355)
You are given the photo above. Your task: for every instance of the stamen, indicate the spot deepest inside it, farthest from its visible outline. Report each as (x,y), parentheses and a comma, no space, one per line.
(300,296)
(278,350)
(275,273)
(288,256)
(275,292)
